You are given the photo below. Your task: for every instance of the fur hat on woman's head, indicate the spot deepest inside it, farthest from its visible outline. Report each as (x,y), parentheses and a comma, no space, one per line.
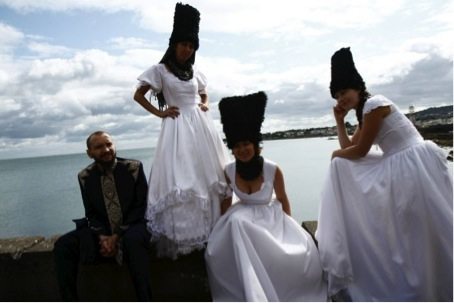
(242,117)
(343,72)
(185,25)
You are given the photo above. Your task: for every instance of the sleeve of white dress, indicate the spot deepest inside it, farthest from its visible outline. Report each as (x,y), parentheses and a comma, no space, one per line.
(151,77)
(230,174)
(201,82)
(376,102)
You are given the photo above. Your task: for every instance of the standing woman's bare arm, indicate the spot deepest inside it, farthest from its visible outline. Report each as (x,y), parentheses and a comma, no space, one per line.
(279,189)
(139,97)
(203,102)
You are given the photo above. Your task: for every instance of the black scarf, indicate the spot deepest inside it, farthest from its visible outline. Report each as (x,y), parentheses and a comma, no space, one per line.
(184,72)
(250,170)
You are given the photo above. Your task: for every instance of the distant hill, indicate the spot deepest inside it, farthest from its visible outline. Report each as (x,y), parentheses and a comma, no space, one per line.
(434,123)
(434,113)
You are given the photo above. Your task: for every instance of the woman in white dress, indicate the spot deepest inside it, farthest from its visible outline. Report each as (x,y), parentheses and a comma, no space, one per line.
(256,251)
(385,221)
(187,182)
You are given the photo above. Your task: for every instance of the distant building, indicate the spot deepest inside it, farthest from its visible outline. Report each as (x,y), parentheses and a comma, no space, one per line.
(438,120)
(411,114)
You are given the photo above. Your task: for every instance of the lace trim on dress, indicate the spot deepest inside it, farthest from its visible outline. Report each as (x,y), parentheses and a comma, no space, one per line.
(176,197)
(336,282)
(193,236)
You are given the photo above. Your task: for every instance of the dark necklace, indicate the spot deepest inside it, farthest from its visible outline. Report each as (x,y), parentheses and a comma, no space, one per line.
(183,72)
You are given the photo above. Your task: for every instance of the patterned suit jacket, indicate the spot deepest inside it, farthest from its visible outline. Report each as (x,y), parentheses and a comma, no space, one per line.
(132,189)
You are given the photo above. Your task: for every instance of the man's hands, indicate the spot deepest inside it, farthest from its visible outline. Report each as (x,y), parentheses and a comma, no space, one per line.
(108,245)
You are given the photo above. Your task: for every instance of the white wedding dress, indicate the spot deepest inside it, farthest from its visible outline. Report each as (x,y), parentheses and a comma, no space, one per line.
(187,181)
(385,220)
(258,253)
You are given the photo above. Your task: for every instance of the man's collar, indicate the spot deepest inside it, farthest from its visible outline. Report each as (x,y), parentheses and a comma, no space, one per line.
(103,169)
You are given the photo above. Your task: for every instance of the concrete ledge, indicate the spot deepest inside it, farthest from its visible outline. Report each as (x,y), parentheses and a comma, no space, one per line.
(28,274)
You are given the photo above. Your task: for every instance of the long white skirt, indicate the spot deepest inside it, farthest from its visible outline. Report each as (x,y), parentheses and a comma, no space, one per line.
(186,183)
(258,253)
(385,226)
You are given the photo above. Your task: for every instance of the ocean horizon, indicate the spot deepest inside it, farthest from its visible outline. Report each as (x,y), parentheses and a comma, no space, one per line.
(40,196)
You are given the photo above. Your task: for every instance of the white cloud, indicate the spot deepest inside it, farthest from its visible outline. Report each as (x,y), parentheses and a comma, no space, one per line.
(60,68)
(277,17)
(125,43)
(237,16)
(57,95)
(46,49)
(10,37)
(9,106)
(27,6)
(229,76)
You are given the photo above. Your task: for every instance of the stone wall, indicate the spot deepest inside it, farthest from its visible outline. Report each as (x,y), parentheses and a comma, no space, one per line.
(27,273)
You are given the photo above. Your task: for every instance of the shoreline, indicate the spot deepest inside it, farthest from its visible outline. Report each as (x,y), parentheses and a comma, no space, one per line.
(440,140)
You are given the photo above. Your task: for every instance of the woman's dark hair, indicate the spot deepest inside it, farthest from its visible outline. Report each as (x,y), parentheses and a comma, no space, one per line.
(363,96)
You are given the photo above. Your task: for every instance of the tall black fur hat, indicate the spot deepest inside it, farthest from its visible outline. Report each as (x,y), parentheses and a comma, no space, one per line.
(242,117)
(343,72)
(185,25)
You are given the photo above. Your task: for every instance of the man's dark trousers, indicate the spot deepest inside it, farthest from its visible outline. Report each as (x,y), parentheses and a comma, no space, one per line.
(82,246)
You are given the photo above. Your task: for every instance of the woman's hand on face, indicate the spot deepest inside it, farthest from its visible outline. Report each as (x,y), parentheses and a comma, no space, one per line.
(339,113)
(204,107)
(172,112)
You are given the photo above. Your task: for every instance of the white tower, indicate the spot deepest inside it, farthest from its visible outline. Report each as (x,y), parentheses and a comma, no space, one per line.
(411,114)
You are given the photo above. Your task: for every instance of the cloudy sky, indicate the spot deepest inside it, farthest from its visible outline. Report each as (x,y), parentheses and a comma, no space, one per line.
(69,67)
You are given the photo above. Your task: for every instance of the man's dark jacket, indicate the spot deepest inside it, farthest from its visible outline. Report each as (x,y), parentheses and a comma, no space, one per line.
(131,186)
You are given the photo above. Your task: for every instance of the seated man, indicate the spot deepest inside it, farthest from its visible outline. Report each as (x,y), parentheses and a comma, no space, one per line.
(114,192)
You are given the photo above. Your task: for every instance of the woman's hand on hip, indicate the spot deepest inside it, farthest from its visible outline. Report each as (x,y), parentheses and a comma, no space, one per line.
(171,112)
(204,107)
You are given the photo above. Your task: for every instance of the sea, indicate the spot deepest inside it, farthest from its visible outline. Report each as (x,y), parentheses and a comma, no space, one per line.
(40,196)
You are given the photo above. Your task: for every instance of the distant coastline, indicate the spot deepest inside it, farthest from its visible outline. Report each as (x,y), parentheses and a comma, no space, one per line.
(434,124)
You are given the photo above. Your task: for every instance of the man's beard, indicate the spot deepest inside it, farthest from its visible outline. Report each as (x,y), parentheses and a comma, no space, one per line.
(106,164)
